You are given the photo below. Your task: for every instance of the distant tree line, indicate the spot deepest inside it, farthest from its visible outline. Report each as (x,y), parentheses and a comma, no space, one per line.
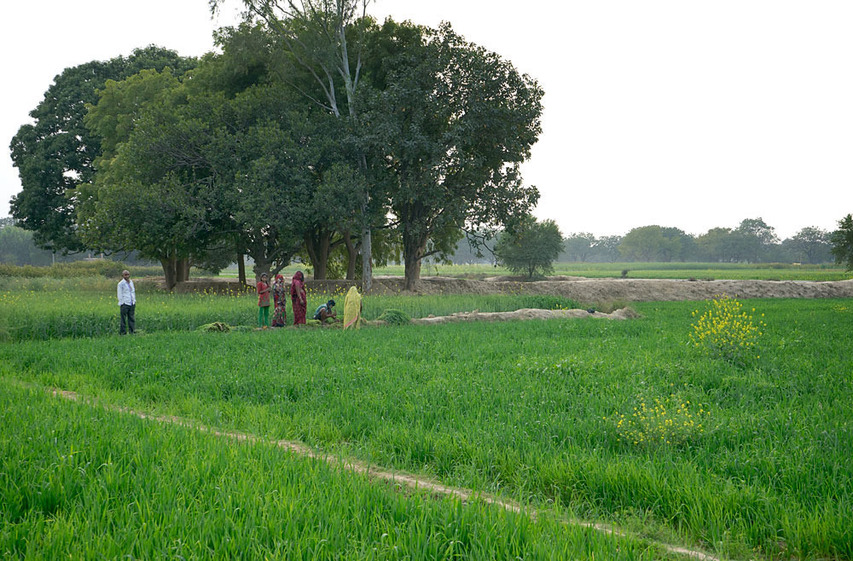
(753,241)
(18,247)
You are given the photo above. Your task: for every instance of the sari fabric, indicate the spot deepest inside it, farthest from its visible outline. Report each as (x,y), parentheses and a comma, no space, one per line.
(279,294)
(297,298)
(352,309)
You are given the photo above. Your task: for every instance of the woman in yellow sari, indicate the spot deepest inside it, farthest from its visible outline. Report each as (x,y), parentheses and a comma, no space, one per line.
(352,309)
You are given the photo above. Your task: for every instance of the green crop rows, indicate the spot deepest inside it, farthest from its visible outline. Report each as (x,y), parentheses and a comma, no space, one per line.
(619,422)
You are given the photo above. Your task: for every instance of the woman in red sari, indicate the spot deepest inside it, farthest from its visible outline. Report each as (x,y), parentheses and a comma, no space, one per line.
(263,302)
(297,297)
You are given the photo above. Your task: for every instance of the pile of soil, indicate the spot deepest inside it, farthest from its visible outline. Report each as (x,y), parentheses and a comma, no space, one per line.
(584,290)
(591,291)
(526,314)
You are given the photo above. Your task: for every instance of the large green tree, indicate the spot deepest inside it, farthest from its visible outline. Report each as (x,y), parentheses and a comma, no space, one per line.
(55,154)
(304,182)
(270,181)
(579,246)
(451,124)
(323,41)
(152,192)
(649,243)
(201,172)
(251,164)
(717,244)
(140,198)
(754,239)
(258,148)
(842,242)
(530,247)
(810,245)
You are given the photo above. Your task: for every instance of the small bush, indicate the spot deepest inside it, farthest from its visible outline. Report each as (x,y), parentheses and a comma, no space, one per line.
(548,302)
(395,317)
(726,331)
(673,421)
(214,327)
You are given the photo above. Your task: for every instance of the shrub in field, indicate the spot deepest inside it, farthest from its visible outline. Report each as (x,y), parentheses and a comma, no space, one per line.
(654,421)
(216,326)
(725,330)
(549,302)
(395,317)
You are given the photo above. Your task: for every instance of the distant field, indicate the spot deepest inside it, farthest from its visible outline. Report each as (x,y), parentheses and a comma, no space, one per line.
(736,271)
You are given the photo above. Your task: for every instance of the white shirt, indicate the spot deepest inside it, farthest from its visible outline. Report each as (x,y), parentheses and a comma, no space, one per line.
(126,293)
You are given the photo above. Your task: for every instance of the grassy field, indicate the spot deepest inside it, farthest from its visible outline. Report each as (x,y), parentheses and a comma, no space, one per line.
(615,422)
(82,482)
(41,310)
(676,270)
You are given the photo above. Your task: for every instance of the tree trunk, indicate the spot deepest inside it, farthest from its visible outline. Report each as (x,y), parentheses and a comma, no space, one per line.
(413,270)
(413,250)
(352,255)
(318,252)
(366,260)
(262,265)
(241,269)
(169,273)
(182,270)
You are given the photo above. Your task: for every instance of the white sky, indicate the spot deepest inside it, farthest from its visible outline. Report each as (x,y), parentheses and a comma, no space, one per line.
(671,112)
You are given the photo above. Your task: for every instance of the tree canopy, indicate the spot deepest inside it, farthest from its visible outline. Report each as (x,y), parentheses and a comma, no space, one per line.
(56,153)
(530,247)
(842,242)
(451,123)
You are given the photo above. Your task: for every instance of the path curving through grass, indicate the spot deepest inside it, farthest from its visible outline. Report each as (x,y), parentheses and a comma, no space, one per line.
(398,478)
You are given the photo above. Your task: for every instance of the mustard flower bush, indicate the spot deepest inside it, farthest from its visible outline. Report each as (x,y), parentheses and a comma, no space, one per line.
(725,330)
(672,420)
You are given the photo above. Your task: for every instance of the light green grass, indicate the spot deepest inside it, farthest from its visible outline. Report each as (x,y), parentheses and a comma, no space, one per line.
(41,310)
(81,482)
(529,409)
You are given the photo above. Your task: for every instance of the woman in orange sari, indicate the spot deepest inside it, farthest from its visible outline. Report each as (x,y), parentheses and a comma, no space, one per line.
(297,298)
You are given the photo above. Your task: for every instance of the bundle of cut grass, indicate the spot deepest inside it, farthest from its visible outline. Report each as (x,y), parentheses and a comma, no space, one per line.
(216,326)
(395,317)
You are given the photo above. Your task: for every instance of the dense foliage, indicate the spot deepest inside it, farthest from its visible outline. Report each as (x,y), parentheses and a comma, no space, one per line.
(55,155)
(842,242)
(255,152)
(530,247)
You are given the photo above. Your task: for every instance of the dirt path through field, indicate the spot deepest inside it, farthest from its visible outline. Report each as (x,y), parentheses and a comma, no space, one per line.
(397,478)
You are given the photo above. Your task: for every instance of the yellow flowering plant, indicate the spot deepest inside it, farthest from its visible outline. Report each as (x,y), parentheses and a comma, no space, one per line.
(725,330)
(672,420)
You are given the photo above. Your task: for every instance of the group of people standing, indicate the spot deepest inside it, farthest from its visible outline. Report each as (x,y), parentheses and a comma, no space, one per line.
(277,295)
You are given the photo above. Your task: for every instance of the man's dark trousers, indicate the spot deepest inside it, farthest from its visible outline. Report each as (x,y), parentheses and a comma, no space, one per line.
(127,317)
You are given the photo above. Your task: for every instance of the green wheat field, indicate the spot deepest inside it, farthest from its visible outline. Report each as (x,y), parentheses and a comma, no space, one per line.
(642,425)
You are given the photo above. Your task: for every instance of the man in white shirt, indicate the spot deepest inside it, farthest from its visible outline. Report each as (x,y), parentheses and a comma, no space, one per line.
(126,303)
